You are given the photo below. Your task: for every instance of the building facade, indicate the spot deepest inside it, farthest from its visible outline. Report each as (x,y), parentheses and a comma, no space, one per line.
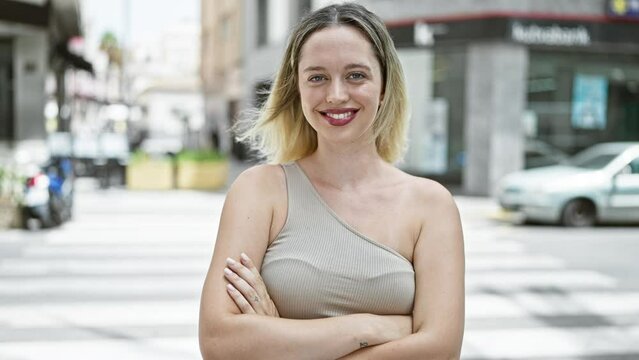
(23,67)
(485,78)
(499,75)
(34,39)
(167,85)
(222,68)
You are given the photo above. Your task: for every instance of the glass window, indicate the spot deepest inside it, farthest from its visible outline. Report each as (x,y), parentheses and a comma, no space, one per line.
(449,86)
(578,99)
(596,162)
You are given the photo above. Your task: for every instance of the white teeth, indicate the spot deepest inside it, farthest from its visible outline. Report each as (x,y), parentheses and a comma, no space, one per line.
(341,116)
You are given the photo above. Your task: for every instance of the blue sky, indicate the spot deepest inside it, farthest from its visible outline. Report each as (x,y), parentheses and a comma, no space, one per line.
(146,17)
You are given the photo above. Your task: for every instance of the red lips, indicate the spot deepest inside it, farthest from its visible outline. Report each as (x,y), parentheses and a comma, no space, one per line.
(339,117)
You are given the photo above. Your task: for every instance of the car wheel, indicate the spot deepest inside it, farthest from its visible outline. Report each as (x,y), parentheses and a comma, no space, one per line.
(579,213)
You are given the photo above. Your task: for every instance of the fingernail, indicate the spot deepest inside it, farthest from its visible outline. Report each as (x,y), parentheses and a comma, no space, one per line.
(244,257)
(227,271)
(230,287)
(230,261)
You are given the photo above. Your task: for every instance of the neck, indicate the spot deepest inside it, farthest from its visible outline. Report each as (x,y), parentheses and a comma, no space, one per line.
(345,167)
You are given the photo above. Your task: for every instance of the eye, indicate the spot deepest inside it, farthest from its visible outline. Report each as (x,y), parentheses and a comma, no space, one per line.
(356,76)
(316,78)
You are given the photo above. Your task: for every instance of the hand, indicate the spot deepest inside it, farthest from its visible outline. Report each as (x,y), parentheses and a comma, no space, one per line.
(247,289)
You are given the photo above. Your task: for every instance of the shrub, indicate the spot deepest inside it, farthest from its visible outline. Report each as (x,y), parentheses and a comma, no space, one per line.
(199,156)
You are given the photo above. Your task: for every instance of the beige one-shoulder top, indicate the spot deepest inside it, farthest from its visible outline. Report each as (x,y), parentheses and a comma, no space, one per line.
(318,266)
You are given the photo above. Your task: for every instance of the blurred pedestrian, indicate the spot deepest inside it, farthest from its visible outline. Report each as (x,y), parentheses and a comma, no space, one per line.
(330,251)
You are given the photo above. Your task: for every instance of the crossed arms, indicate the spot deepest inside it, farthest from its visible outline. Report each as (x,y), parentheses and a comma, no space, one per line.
(241,322)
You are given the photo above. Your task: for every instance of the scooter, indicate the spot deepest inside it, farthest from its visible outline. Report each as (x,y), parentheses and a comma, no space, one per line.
(48,195)
(61,178)
(36,213)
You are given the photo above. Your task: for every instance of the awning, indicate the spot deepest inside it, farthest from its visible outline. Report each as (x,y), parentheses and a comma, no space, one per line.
(25,13)
(66,24)
(61,49)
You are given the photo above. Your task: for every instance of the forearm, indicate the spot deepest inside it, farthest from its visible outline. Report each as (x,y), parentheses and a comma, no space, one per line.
(247,336)
(421,345)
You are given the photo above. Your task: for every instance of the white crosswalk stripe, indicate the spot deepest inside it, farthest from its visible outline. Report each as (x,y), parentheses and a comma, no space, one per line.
(530,306)
(551,342)
(122,281)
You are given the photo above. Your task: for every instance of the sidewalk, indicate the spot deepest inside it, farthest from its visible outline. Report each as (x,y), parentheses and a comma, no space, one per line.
(473,208)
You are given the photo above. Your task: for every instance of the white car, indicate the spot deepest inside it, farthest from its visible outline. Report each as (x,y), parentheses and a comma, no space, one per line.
(599,184)
(538,154)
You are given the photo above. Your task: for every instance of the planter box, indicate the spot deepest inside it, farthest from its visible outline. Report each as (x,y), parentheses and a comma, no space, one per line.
(9,212)
(150,175)
(205,175)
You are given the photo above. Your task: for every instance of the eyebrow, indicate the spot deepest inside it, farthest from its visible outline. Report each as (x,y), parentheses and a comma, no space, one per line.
(347,67)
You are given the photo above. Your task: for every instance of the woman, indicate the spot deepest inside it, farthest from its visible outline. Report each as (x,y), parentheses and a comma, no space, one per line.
(296,273)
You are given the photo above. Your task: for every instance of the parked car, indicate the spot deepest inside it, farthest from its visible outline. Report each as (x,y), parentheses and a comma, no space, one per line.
(599,184)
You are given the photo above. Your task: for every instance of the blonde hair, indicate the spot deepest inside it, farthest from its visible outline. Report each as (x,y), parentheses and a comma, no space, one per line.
(281,134)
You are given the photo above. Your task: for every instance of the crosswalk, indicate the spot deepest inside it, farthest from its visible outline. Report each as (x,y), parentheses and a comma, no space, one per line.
(122,281)
(522,305)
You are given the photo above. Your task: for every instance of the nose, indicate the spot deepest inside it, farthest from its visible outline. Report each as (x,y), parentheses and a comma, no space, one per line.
(336,93)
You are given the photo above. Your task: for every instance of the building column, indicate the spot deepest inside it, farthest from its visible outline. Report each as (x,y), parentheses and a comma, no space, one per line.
(495,102)
(30,69)
(417,64)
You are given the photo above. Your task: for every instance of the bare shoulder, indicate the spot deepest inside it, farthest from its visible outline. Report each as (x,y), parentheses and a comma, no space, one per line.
(261,188)
(429,195)
(263,173)
(264,179)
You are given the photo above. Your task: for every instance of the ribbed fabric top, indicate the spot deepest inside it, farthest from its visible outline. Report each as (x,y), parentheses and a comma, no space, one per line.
(319,266)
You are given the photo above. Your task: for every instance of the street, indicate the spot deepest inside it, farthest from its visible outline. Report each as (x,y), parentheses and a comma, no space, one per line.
(122,281)
(543,292)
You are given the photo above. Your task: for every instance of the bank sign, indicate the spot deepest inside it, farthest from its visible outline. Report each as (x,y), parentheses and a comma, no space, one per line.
(624,9)
(550,34)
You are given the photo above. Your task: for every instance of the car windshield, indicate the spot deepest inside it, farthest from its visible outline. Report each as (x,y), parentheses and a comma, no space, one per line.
(595,163)
(593,158)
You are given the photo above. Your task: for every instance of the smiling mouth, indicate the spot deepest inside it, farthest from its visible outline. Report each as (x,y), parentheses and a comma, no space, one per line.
(340,118)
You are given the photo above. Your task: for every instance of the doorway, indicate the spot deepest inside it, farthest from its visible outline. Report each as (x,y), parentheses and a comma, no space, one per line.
(7,128)
(624,109)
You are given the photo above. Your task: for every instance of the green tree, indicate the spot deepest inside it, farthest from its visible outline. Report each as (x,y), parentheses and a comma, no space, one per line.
(109,44)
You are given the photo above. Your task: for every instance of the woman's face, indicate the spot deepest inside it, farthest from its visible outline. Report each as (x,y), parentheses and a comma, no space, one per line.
(340,84)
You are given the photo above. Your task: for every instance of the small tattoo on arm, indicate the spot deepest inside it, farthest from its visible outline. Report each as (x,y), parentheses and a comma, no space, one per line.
(363,344)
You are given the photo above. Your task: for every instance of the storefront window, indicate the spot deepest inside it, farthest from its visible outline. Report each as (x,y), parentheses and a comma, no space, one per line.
(578,99)
(449,88)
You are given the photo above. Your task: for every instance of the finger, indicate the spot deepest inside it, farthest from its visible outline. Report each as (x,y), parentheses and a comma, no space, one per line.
(247,291)
(266,305)
(241,302)
(258,297)
(246,261)
(243,272)
(258,282)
